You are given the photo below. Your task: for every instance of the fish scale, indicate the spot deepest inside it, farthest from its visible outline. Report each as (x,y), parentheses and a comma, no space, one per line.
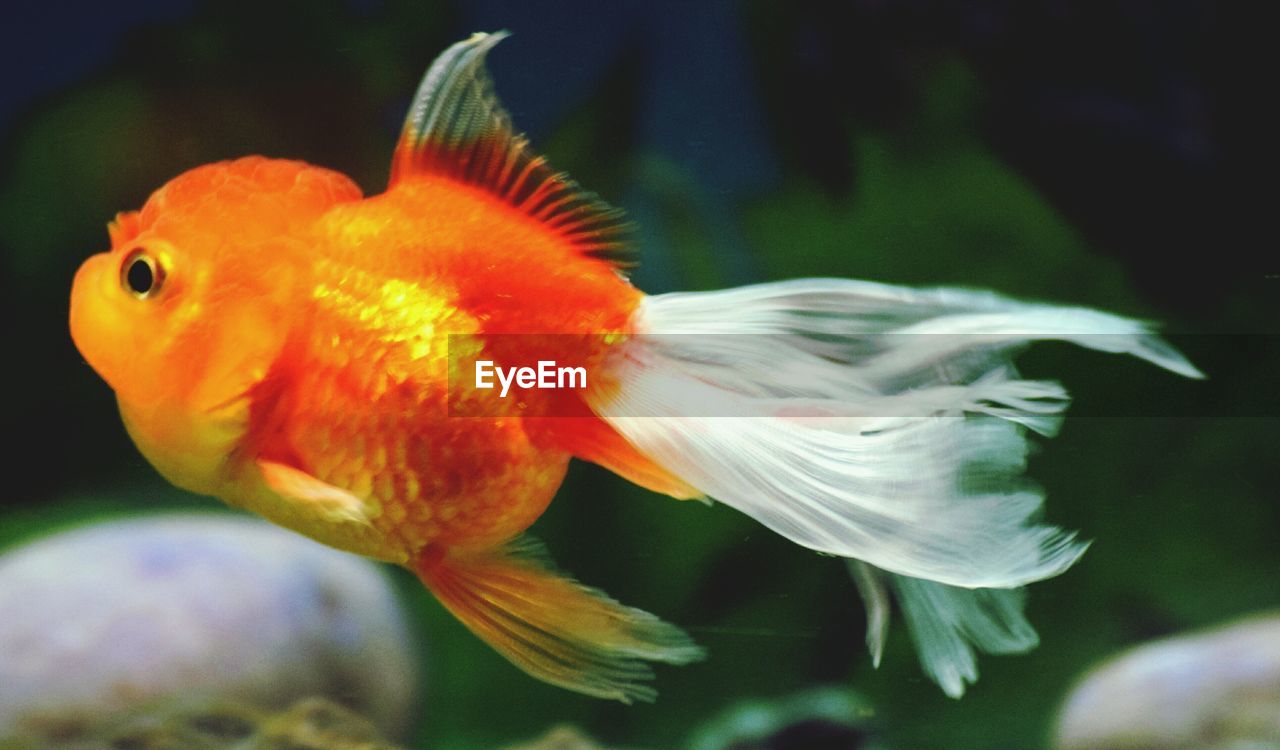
(374,420)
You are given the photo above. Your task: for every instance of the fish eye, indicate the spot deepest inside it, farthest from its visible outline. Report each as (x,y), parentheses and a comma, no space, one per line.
(141,274)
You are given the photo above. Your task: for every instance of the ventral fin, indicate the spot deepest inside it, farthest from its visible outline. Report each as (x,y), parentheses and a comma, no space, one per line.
(457,128)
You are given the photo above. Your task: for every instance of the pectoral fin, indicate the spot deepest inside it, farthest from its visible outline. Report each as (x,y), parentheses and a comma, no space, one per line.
(314,496)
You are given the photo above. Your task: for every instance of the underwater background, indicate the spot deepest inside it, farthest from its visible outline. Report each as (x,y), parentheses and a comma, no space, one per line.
(1079,153)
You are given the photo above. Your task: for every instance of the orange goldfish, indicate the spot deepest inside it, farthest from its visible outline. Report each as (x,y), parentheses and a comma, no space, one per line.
(278,340)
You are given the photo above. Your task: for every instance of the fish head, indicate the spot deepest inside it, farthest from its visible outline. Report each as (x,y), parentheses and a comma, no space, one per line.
(191,306)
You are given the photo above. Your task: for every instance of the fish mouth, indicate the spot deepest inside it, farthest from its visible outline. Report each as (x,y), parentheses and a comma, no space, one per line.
(92,317)
(80,285)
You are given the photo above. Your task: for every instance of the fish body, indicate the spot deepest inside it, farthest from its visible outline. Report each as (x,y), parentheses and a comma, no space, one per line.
(362,395)
(278,340)
(368,294)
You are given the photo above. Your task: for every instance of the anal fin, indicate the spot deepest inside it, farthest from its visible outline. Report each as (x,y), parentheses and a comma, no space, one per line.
(592,439)
(551,626)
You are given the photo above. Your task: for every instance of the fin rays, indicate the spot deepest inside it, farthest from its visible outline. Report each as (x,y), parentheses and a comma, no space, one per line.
(457,128)
(947,624)
(878,423)
(551,626)
(818,408)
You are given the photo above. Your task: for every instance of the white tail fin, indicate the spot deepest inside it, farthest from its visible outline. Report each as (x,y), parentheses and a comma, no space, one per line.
(862,420)
(867,421)
(947,623)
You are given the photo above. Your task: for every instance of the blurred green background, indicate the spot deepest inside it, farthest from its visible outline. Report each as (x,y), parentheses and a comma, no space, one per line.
(1067,152)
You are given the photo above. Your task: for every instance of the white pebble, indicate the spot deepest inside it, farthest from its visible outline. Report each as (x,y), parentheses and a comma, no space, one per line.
(116,615)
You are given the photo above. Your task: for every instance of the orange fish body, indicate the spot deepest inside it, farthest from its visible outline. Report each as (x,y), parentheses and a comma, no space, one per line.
(358,397)
(279,341)
(367,294)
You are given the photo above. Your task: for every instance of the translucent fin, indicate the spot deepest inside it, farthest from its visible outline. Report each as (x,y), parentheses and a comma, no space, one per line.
(876,599)
(551,626)
(946,623)
(966,330)
(592,439)
(862,420)
(314,497)
(931,497)
(457,128)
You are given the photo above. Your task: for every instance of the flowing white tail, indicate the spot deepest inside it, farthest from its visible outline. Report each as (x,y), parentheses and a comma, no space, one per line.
(872,422)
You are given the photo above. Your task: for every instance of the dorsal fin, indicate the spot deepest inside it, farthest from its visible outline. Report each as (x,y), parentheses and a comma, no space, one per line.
(456,127)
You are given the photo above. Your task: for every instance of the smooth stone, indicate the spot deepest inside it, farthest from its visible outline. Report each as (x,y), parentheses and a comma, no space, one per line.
(562,737)
(309,724)
(114,616)
(1213,689)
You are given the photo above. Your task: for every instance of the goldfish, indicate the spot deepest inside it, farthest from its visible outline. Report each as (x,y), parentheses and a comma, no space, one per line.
(276,339)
